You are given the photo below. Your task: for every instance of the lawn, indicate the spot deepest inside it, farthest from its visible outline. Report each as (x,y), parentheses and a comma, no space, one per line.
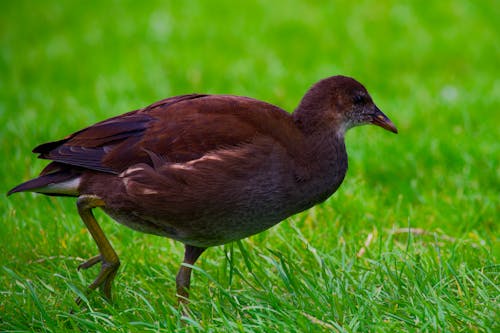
(410,242)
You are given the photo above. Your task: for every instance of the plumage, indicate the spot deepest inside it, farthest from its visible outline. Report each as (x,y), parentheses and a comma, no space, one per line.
(206,169)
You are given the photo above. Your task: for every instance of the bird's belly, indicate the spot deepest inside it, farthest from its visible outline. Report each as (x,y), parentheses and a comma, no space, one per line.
(135,221)
(205,231)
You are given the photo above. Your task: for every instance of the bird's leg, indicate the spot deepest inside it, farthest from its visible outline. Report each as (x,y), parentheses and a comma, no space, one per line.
(107,255)
(183,279)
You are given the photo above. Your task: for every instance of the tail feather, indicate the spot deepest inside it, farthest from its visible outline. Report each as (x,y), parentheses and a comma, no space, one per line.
(63,183)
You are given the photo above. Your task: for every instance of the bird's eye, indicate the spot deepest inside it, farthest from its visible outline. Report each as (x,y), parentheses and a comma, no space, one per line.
(359,99)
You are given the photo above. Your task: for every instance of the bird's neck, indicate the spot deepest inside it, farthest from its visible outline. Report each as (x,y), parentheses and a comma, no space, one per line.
(325,159)
(323,139)
(327,156)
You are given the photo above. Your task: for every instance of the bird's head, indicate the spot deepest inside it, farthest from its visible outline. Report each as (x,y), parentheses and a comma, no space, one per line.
(339,102)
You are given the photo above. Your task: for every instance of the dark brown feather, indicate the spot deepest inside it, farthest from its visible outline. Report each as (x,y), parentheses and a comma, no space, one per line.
(177,129)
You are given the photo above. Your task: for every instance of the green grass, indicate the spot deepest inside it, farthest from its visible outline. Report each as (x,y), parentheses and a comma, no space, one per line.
(348,264)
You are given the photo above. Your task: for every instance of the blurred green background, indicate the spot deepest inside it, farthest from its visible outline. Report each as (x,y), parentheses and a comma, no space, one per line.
(348,264)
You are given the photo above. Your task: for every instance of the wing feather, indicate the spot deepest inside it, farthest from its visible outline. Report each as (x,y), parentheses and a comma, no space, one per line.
(176,129)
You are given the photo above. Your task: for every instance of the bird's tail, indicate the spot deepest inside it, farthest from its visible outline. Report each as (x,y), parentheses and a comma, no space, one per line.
(59,183)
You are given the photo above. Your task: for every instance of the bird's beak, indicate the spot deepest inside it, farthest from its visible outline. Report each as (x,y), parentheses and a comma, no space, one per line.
(380,119)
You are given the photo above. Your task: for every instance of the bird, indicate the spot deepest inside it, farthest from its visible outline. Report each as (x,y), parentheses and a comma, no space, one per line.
(205,169)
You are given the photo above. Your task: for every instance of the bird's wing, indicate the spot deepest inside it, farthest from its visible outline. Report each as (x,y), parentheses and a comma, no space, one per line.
(177,129)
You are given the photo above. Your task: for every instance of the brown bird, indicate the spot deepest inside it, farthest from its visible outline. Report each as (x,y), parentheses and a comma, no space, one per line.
(205,169)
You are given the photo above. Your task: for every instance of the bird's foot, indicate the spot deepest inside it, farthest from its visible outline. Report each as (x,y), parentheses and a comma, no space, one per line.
(105,277)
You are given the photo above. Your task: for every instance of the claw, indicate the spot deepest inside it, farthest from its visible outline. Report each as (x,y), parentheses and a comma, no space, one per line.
(91,262)
(104,279)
